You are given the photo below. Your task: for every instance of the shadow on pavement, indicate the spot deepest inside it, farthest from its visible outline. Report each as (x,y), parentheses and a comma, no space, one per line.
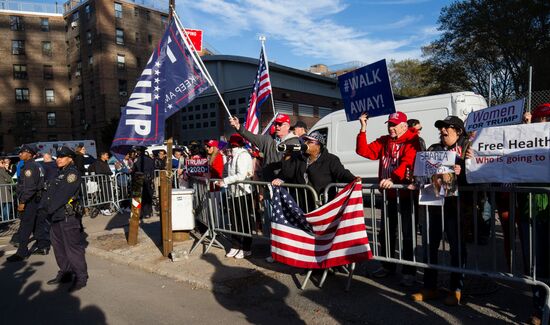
(25,302)
(260,298)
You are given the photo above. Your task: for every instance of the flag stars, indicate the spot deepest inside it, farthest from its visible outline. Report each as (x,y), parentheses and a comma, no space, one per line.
(157,96)
(157,80)
(157,72)
(157,64)
(170,106)
(157,88)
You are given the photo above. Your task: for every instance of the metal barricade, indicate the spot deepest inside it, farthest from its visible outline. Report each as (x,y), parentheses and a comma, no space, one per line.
(243,208)
(122,183)
(388,213)
(8,203)
(97,190)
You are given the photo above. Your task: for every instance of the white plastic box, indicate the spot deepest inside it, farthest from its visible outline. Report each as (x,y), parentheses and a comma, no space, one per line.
(182,209)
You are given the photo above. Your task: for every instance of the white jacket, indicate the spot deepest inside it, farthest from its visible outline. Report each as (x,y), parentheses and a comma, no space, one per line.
(239,168)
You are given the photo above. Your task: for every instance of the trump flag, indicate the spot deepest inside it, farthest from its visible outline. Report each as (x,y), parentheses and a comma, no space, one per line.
(171,79)
(332,235)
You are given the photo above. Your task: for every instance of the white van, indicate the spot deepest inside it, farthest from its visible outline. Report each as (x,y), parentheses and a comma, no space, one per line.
(52,146)
(341,135)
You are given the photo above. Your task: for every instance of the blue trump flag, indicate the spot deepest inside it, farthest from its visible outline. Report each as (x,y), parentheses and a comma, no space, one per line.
(367,90)
(171,79)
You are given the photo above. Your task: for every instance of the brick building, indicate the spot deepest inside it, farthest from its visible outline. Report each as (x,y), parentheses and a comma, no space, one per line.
(34,101)
(65,76)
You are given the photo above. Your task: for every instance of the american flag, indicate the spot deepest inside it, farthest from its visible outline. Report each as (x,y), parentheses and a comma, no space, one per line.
(260,93)
(333,235)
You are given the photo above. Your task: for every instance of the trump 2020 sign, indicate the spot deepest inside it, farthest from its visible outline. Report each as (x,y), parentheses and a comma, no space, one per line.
(367,90)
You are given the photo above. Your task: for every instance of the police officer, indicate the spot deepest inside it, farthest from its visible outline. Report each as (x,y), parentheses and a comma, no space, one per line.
(62,207)
(146,166)
(30,185)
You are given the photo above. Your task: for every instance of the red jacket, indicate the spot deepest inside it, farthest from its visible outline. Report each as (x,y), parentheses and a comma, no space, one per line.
(395,156)
(216,170)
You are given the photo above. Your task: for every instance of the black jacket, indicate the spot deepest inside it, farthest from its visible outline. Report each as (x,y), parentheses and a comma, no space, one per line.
(79,163)
(62,189)
(100,167)
(460,147)
(325,170)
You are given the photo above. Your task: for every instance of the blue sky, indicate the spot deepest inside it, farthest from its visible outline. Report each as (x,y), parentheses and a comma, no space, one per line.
(305,32)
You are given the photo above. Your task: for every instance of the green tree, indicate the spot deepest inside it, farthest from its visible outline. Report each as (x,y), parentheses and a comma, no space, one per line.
(411,78)
(483,37)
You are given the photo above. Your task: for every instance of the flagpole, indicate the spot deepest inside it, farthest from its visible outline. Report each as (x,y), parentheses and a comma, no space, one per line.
(198,60)
(262,39)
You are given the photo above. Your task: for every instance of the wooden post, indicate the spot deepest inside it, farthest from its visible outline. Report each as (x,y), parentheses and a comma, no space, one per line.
(166,202)
(137,188)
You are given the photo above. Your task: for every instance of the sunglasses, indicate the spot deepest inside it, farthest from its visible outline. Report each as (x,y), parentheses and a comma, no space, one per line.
(277,124)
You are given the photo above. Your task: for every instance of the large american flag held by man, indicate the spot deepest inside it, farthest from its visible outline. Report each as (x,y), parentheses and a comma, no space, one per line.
(260,93)
(333,235)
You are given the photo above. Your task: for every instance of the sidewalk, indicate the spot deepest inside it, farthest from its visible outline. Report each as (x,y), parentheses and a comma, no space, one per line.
(106,238)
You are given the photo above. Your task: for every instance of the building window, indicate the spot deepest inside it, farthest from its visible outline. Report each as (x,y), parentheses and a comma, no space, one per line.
(88,11)
(198,116)
(77,42)
(20,71)
(89,37)
(212,123)
(150,39)
(122,87)
(78,69)
(51,118)
(45,24)
(120,61)
(191,126)
(191,108)
(191,117)
(120,36)
(52,137)
(118,10)
(232,102)
(198,125)
(137,37)
(212,114)
(16,23)
(91,61)
(21,95)
(242,100)
(305,110)
(204,115)
(18,47)
(212,105)
(47,48)
(324,111)
(233,111)
(76,16)
(50,96)
(204,106)
(204,124)
(148,15)
(23,120)
(184,118)
(48,72)
(136,12)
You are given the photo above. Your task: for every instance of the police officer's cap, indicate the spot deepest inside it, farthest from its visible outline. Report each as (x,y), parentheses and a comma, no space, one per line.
(65,152)
(27,148)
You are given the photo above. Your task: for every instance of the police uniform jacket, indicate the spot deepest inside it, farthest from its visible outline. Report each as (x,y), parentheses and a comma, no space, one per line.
(30,182)
(61,190)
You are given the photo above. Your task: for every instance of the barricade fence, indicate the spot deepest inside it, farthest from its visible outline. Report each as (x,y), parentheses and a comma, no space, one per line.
(8,203)
(464,231)
(242,208)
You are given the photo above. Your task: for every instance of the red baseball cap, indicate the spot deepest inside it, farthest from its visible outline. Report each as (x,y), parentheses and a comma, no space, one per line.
(282,118)
(397,117)
(212,143)
(542,110)
(236,140)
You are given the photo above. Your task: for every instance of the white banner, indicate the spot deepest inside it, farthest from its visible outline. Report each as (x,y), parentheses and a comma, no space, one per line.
(511,154)
(504,114)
